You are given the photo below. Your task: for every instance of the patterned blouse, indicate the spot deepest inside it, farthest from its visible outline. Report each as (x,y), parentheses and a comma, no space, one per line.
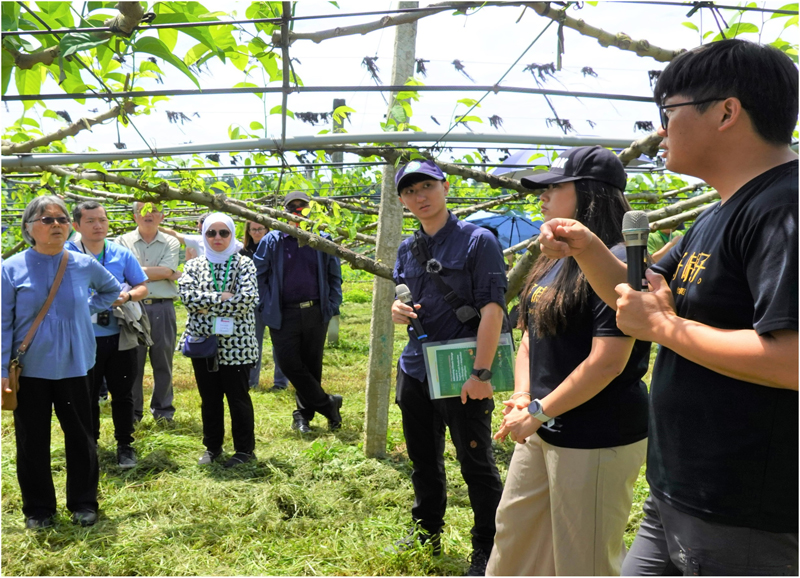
(199,294)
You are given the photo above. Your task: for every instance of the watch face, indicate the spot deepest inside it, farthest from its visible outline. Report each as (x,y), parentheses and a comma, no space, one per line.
(534,407)
(483,374)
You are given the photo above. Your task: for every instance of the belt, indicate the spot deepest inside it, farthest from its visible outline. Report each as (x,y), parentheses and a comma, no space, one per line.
(152,301)
(303,305)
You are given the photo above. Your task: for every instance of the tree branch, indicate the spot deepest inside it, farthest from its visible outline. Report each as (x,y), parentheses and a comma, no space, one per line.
(647,145)
(657,215)
(672,222)
(219,202)
(71,130)
(129,17)
(25,61)
(606,39)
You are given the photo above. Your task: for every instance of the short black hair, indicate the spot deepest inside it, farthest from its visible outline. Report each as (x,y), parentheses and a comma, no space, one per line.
(763,78)
(77,212)
(413,179)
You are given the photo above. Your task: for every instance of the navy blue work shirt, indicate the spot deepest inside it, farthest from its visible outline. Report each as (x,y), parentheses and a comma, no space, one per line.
(299,272)
(472,265)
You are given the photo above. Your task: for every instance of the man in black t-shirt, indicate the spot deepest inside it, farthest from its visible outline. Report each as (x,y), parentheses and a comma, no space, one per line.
(722,460)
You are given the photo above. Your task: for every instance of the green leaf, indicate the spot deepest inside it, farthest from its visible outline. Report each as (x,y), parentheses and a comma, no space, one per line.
(8,67)
(691,26)
(255,125)
(238,57)
(469,102)
(790,22)
(341,113)
(245,85)
(279,110)
(194,54)
(10,16)
(470,118)
(169,36)
(28,82)
(77,42)
(29,122)
(792,7)
(270,64)
(157,48)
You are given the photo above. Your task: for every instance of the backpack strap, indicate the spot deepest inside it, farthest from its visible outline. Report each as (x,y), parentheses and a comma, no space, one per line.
(465,312)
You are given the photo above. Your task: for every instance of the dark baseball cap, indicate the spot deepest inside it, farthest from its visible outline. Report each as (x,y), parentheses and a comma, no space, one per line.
(424,167)
(296,196)
(596,163)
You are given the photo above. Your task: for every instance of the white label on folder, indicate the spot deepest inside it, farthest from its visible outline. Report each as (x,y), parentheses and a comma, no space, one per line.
(94,318)
(223,325)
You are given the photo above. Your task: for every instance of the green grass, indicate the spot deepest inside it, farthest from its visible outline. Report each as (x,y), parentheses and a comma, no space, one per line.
(311,505)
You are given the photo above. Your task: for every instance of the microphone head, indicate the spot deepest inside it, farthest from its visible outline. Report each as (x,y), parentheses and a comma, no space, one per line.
(635,228)
(403,293)
(635,220)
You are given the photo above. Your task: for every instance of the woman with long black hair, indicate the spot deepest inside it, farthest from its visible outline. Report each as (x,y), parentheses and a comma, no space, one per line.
(579,410)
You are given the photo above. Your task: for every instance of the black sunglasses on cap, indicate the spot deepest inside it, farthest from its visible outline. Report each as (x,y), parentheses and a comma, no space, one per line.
(224,233)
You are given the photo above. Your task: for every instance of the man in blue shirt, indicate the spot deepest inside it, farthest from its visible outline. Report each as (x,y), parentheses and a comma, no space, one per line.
(119,368)
(470,262)
(300,289)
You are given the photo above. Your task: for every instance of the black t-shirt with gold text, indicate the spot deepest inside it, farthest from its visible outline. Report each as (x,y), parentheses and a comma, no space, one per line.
(723,449)
(616,416)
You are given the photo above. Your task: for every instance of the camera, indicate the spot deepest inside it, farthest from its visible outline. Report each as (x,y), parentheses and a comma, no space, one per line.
(104,318)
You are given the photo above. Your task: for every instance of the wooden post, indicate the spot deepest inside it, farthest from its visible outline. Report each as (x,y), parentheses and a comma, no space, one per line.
(390,224)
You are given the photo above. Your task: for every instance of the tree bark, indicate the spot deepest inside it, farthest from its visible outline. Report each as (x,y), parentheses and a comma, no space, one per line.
(390,225)
(677,208)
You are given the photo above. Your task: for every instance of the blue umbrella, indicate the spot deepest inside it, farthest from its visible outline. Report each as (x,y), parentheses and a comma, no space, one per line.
(512,227)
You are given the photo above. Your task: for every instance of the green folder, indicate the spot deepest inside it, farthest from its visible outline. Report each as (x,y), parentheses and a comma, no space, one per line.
(449,364)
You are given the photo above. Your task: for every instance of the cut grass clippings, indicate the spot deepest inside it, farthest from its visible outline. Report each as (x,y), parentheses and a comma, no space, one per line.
(310,505)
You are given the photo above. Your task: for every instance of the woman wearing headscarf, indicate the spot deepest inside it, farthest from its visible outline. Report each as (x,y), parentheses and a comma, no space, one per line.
(55,367)
(220,293)
(253,233)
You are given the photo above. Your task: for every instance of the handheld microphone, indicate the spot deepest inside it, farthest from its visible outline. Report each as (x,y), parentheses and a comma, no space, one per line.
(635,229)
(404,294)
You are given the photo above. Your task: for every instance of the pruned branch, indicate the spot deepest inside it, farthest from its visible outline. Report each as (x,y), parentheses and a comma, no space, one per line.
(25,61)
(15,249)
(647,145)
(71,130)
(619,40)
(659,214)
(491,203)
(163,192)
(129,17)
(674,221)
(517,275)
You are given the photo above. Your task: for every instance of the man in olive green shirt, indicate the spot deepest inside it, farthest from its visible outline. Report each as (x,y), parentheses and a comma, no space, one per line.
(158,254)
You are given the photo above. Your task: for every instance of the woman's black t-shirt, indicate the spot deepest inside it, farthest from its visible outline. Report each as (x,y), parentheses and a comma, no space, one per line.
(617,415)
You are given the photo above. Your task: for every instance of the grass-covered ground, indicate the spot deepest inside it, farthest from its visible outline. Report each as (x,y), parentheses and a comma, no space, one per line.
(311,504)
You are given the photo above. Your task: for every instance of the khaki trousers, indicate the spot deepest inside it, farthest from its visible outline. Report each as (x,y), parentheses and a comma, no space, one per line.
(564,511)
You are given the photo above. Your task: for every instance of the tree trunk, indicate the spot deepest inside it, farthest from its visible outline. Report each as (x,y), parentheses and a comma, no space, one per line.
(390,224)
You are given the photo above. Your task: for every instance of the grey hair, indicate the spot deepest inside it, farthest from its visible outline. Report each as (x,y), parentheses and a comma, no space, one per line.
(36,209)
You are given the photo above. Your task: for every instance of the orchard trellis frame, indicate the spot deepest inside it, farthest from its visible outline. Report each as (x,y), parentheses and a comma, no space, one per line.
(113,188)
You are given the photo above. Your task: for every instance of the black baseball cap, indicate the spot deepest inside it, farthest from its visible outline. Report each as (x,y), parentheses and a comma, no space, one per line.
(596,163)
(409,170)
(296,196)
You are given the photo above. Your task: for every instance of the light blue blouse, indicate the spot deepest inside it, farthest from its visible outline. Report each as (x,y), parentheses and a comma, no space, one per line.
(64,345)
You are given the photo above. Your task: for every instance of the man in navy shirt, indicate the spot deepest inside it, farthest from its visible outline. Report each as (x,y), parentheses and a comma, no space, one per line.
(300,289)
(723,428)
(471,263)
(119,368)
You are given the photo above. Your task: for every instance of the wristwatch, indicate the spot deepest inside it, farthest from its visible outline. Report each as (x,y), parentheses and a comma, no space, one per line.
(536,410)
(482,374)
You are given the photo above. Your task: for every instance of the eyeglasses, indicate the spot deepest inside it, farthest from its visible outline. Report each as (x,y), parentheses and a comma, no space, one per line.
(257,229)
(663,108)
(224,233)
(51,220)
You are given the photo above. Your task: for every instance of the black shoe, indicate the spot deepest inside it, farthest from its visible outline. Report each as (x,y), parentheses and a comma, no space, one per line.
(239,458)
(416,537)
(208,457)
(301,424)
(335,421)
(279,387)
(477,562)
(38,523)
(126,457)
(84,518)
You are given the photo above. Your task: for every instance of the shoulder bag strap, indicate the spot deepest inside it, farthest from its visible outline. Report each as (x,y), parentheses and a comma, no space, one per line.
(53,290)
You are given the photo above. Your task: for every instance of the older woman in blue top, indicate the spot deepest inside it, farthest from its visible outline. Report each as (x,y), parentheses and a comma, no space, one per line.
(55,367)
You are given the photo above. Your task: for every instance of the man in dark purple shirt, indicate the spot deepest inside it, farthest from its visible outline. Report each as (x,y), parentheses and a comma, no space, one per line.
(300,289)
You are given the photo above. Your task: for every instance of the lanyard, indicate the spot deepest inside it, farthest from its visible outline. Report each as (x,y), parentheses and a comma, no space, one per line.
(101,258)
(225,279)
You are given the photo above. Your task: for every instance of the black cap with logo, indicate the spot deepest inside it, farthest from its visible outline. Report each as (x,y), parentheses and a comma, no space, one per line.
(596,163)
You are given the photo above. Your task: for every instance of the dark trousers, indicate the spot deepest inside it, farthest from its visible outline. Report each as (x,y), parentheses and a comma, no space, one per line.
(672,543)
(163,330)
(278,378)
(470,424)
(119,370)
(70,397)
(231,381)
(299,345)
